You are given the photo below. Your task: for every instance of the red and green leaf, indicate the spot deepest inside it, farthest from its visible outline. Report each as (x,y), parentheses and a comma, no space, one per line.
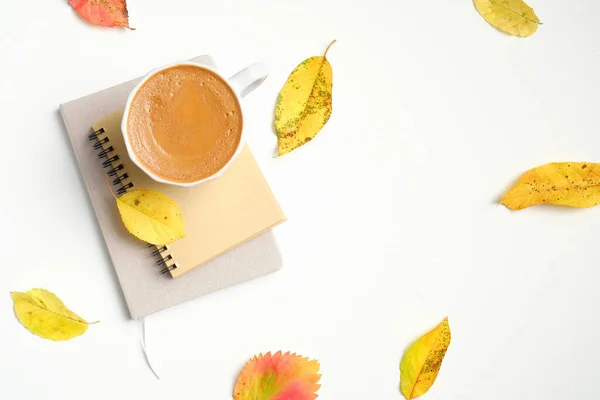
(278,377)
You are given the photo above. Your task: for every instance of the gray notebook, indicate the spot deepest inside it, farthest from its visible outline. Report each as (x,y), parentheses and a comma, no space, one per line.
(145,289)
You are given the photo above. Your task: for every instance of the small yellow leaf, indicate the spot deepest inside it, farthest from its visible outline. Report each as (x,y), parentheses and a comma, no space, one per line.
(510,16)
(151,216)
(304,103)
(422,361)
(572,184)
(45,315)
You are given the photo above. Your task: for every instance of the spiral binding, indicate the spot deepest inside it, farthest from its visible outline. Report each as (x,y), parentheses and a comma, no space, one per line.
(120,177)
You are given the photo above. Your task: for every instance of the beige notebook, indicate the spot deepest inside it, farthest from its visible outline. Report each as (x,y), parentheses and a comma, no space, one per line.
(145,289)
(218,215)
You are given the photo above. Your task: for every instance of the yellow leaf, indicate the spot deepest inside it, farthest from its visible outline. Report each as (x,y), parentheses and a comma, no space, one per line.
(510,16)
(45,315)
(422,361)
(304,103)
(151,216)
(572,184)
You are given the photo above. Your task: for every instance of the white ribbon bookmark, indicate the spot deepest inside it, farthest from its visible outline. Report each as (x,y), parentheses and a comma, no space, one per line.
(143,323)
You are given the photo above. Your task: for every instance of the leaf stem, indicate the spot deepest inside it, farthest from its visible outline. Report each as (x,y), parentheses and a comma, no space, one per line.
(109,188)
(92,323)
(327,49)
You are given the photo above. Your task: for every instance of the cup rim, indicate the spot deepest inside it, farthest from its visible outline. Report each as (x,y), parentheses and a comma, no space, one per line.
(129,148)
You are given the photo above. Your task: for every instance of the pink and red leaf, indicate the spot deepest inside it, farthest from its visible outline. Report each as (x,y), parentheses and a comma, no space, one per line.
(108,13)
(278,377)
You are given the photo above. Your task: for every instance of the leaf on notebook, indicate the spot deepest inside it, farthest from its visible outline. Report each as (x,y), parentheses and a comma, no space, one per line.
(422,361)
(278,377)
(572,184)
(304,103)
(108,13)
(151,216)
(510,16)
(45,315)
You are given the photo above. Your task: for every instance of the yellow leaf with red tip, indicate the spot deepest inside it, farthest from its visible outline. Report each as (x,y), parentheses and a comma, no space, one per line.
(108,13)
(278,377)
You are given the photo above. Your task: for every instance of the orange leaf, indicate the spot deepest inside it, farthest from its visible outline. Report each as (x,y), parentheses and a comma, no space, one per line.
(278,377)
(108,13)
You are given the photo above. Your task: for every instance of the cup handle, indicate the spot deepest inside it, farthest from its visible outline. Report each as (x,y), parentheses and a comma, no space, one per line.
(248,79)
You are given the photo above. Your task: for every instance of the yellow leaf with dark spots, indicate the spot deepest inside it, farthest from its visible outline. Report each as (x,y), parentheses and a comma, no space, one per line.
(151,216)
(45,315)
(304,103)
(422,361)
(571,184)
(510,16)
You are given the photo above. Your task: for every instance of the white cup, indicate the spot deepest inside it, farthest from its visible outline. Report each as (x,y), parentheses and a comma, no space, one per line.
(241,84)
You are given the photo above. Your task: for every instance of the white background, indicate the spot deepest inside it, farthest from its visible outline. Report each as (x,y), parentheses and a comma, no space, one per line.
(393,216)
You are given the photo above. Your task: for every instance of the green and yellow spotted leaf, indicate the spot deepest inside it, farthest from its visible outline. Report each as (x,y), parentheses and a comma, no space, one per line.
(304,103)
(422,361)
